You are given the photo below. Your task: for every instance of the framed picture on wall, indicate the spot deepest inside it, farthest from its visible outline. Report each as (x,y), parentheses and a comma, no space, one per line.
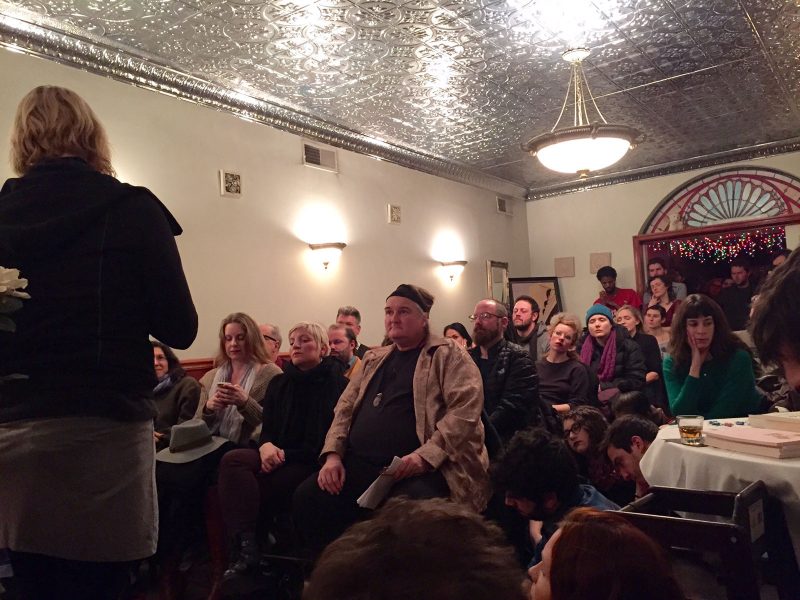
(542,289)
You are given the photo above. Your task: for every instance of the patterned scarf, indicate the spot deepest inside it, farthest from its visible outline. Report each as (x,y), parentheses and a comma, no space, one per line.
(608,360)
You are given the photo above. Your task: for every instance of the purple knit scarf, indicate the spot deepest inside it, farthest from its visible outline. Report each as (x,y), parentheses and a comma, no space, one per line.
(608,360)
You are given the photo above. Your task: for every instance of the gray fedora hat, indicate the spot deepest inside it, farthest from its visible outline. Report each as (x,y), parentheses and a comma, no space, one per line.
(189,441)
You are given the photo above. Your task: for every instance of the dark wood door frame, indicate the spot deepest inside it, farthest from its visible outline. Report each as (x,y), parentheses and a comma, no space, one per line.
(639,241)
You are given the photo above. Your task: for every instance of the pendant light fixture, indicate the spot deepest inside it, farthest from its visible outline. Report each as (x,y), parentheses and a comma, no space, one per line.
(585,146)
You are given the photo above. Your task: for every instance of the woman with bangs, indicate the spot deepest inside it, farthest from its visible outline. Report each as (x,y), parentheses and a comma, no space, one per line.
(709,370)
(298,409)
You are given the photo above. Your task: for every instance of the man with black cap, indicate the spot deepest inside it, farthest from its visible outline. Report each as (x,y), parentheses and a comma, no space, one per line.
(419,399)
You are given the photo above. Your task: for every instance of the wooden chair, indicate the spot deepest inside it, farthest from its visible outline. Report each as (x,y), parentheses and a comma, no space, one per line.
(739,537)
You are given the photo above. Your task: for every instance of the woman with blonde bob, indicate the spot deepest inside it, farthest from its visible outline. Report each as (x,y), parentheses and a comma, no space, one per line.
(298,410)
(563,379)
(77,500)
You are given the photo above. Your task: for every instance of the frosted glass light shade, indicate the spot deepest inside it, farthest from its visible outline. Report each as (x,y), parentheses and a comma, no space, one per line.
(580,150)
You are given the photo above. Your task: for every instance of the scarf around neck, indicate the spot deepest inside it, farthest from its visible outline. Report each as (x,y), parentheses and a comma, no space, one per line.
(608,359)
(229,421)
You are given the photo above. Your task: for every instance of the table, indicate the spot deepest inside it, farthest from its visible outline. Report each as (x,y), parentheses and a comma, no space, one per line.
(671,464)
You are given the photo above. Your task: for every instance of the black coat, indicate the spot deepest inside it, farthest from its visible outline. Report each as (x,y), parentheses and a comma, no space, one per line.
(629,368)
(511,389)
(104,274)
(655,391)
(298,408)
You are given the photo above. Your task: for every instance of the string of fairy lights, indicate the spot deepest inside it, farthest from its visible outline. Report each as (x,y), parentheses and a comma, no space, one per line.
(724,247)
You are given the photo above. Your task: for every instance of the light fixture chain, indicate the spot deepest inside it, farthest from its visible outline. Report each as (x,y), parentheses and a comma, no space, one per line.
(563,106)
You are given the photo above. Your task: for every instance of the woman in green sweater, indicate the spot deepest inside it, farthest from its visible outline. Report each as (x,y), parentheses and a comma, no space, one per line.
(708,370)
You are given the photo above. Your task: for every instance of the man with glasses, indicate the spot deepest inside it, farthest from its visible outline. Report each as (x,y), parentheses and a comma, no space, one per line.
(272,342)
(510,383)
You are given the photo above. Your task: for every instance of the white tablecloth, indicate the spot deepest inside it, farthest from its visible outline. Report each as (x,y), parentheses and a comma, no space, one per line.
(704,468)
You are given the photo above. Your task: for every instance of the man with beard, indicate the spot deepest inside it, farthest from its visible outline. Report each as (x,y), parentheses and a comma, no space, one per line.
(539,477)
(343,344)
(528,332)
(510,383)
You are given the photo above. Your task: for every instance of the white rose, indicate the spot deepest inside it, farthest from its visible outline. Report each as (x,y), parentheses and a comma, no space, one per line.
(11,283)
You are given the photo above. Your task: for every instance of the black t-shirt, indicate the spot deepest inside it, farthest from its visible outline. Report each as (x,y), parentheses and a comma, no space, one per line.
(563,383)
(385,424)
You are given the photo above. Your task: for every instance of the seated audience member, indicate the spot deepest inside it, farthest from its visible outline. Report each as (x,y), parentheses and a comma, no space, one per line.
(636,403)
(349,316)
(613,358)
(343,344)
(612,296)
(708,370)
(654,325)
(271,334)
(230,401)
(298,409)
(631,319)
(600,556)
(626,441)
(459,334)
(539,478)
(776,323)
(657,267)
(510,383)
(584,428)
(735,299)
(230,404)
(529,331)
(563,379)
(418,549)
(176,395)
(418,399)
(664,296)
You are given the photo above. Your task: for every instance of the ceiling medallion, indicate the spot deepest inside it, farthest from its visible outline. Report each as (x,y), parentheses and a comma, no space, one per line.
(585,146)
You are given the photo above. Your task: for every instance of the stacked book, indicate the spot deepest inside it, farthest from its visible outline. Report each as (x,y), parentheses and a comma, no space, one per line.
(766,436)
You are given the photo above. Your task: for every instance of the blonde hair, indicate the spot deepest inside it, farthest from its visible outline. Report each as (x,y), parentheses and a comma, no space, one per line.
(571,321)
(317,331)
(252,335)
(54,122)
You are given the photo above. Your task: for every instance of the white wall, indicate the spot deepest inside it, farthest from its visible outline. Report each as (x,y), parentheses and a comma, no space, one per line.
(244,254)
(605,220)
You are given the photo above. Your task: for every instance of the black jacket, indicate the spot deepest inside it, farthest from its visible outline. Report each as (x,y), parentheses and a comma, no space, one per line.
(629,368)
(298,408)
(510,389)
(655,391)
(104,274)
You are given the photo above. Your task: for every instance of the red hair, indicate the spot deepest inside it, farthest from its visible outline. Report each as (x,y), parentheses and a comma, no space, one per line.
(601,556)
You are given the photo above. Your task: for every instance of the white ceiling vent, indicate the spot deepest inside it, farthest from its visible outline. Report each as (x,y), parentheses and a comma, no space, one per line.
(319,157)
(504,206)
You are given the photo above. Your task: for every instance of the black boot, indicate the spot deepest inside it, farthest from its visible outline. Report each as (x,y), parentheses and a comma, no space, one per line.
(245,555)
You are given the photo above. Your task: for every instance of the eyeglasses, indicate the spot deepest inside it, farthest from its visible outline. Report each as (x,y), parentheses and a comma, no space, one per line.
(483,316)
(576,427)
(271,339)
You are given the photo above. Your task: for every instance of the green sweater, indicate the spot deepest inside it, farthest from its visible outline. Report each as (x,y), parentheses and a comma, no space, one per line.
(724,389)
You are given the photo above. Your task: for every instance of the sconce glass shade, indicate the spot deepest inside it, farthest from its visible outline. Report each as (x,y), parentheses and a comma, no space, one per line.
(327,253)
(453,269)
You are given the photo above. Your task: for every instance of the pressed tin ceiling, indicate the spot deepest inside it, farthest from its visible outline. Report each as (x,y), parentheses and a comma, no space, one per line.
(455,87)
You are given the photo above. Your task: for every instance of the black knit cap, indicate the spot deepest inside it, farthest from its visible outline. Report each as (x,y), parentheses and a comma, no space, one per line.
(418,295)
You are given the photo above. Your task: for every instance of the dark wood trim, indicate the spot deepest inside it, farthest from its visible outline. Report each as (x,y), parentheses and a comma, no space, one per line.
(640,240)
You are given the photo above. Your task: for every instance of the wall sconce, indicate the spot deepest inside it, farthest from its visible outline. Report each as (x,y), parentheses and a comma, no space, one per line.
(453,269)
(327,253)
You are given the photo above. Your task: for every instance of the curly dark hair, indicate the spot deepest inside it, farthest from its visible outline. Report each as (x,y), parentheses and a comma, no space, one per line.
(776,315)
(606,271)
(536,463)
(592,420)
(418,549)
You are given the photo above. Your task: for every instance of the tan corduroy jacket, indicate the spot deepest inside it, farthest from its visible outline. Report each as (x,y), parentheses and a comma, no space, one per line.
(448,400)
